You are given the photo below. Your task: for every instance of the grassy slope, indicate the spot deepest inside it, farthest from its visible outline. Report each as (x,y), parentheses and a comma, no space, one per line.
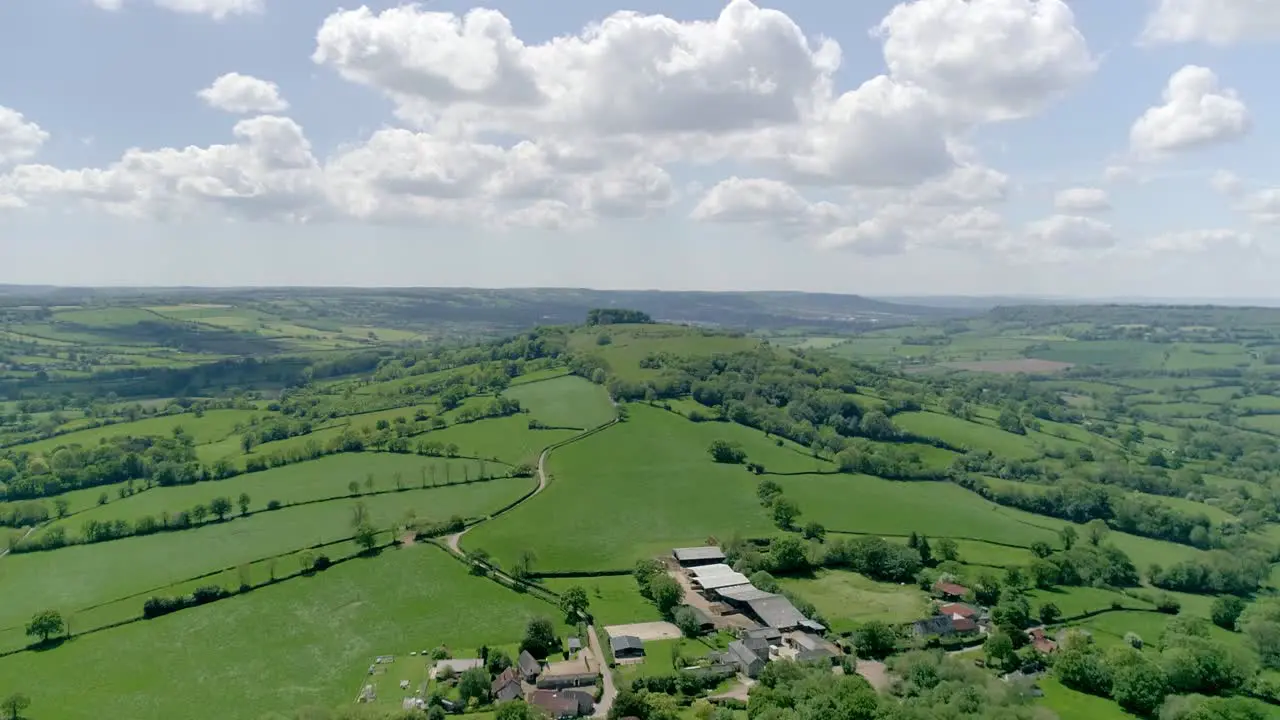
(75,577)
(508,439)
(568,401)
(846,599)
(638,489)
(214,426)
(615,599)
(301,643)
(964,433)
(320,479)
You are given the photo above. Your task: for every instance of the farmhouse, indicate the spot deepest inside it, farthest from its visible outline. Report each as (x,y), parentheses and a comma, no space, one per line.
(1040,641)
(507,686)
(559,705)
(750,656)
(529,667)
(695,556)
(626,646)
(958,610)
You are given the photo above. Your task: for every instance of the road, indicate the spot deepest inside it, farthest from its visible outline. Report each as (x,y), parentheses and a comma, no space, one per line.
(610,692)
(24,537)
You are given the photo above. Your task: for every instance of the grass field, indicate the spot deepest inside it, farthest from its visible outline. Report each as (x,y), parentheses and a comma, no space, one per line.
(568,401)
(214,426)
(1073,601)
(1074,705)
(964,433)
(615,599)
(638,489)
(871,505)
(322,479)
(305,642)
(75,577)
(508,439)
(632,343)
(846,599)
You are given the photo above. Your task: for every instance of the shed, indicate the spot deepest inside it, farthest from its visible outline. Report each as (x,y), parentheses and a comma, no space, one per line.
(704,620)
(529,666)
(709,570)
(556,682)
(626,646)
(715,582)
(574,644)
(741,594)
(776,612)
(693,556)
(950,590)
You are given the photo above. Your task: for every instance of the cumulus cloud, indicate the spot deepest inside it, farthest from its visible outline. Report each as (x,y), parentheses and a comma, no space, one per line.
(767,202)
(1196,112)
(987,59)
(1227,183)
(1263,206)
(1217,22)
(1195,241)
(216,9)
(1081,201)
(1070,234)
(20,138)
(238,93)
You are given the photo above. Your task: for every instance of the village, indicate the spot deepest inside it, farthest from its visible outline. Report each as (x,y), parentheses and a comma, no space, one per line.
(577,677)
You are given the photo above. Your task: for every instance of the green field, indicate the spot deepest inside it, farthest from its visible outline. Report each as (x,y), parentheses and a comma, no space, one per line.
(304,642)
(638,489)
(76,577)
(967,434)
(214,426)
(1074,601)
(846,599)
(508,439)
(1074,705)
(615,599)
(323,479)
(565,402)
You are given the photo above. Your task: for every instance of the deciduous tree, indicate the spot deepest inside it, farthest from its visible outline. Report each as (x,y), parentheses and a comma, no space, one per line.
(46,624)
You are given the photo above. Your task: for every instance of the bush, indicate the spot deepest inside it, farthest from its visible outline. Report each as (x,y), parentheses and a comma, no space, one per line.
(723,451)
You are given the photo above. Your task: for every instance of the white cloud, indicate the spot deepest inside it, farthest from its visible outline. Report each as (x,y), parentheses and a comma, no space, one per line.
(238,93)
(1263,206)
(216,9)
(1194,241)
(965,185)
(1196,112)
(1081,201)
(1217,22)
(904,227)
(763,201)
(1227,183)
(987,59)
(1070,233)
(19,138)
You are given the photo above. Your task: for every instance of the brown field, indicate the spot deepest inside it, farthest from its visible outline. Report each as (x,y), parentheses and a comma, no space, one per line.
(1030,366)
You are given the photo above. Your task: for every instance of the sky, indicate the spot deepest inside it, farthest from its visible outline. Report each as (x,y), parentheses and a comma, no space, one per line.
(1085,148)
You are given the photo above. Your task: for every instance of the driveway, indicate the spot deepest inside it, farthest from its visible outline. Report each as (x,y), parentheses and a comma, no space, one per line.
(610,692)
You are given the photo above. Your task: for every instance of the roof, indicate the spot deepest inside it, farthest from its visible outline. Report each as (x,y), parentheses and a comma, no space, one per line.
(768,633)
(700,615)
(556,704)
(708,570)
(818,653)
(625,642)
(528,664)
(813,625)
(808,642)
(960,609)
(707,552)
(776,611)
(964,624)
(506,676)
(459,665)
(949,588)
(742,593)
(740,651)
(935,625)
(574,643)
(715,582)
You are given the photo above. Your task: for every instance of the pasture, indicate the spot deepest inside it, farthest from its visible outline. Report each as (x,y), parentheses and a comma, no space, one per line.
(508,439)
(303,642)
(638,489)
(79,576)
(326,478)
(565,402)
(966,434)
(847,599)
(215,425)
(615,599)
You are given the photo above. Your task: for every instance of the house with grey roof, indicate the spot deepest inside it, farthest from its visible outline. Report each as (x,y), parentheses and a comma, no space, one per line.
(529,666)
(936,625)
(507,686)
(750,660)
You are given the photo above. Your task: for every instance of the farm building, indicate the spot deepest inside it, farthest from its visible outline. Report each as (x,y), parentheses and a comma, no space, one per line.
(507,686)
(1040,641)
(950,590)
(626,646)
(529,667)
(776,611)
(773,636)
(810,648)
(749,655)
(737,596)
(557,682)
(560,705)
(695,556)
(958,610)
(710,583)
(705,623)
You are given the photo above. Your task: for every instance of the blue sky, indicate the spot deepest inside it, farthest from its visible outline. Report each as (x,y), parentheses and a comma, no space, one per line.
(393,180)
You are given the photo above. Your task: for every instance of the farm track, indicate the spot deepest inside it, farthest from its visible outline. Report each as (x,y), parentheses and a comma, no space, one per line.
(24,537)
(453,541)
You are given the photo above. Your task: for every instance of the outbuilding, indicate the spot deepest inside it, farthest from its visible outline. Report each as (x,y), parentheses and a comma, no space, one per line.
(776,611)
(694,556)
(626,646)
